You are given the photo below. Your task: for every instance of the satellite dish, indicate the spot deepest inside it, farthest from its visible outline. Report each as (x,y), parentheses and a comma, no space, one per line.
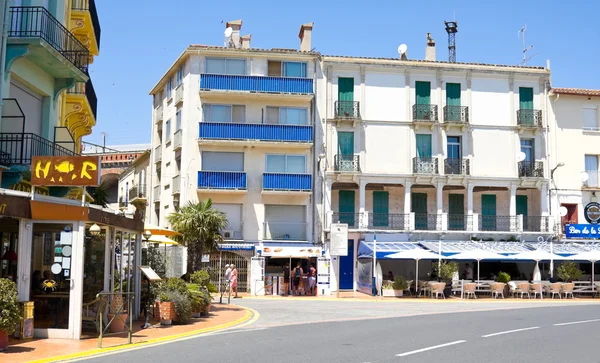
(563,211)
(228,32)
(402,49)
(521,156)
(584,176)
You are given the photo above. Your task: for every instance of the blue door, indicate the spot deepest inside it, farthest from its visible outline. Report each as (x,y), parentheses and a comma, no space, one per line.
(347,268)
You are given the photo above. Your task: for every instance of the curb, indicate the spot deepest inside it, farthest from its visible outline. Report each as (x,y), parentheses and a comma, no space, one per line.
(427,300)
(250,317)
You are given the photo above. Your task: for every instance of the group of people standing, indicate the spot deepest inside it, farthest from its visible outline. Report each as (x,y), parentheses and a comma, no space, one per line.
(231,276)
(297,274)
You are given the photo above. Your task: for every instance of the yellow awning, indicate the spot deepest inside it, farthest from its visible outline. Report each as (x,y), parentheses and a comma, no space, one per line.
(162,240)
(160,231)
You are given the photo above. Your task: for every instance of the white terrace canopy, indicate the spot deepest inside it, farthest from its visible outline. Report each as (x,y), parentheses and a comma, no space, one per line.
(449,248)
(385,249)
(567,248)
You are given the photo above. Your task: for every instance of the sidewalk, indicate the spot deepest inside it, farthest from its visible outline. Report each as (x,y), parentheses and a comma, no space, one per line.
(51,350)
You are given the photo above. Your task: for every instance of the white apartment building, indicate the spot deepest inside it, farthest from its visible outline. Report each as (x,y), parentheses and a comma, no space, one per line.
(134,186)
(429,150)
(575,130)
(235,124)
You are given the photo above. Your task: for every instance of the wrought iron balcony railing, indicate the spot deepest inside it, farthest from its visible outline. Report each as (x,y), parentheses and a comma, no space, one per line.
(531,118)
(37,22)
(89,5)
(137,191)
(397,222)
(87,89)
(19,148)
(351,219)
(498,223)
(456,114)
(531,169)
(347,109)
(425,166)
(457,167)
(427,113)
(176,185)
(178,139)
(287,182)
(258,132)
(460,222)
(428,222)
(349,163)
(259,84)
(221,180)
(536,224)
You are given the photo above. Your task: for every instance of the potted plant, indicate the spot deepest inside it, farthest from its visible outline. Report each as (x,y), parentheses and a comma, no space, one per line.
(504,277)
(166,308)
(395,288)
(568,272)
(10,312)
(445,274)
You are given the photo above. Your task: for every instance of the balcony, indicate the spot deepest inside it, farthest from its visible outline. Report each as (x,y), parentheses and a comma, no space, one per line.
(498,223)
(428,222)
(158,154)
(536,224)
(158,114)
(222,180)
(425,166)
(85,24)
(529,118)
(38,36)
(531,169)
(348,110)
(265,134)
(351,219)
(85,89)
(256,84)
(457,167)
(456,115)
(388,221)
(460,222)
(179,95)
(156,194)
(425,114)
(279,182)
(285,231)
(123,202)
(137,192)
(178,139)
(19,148)
(176,185)
(347,163)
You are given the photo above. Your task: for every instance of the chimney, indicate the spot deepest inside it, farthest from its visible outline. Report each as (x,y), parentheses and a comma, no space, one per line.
(430,49)
(236,26)
(245,40)
(305,37)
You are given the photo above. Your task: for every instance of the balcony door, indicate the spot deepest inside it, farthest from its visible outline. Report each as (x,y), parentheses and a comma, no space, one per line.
(522,210)
(423,93)
(528,164)
(456,212)
(591,168)
(454,151)
(424,146)
(525,98)
(345,97)
(346,207)
(381,208)
(345,151)
(453,102)
(419,208)
(488,212)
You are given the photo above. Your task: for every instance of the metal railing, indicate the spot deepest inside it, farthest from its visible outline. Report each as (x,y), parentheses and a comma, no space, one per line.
(137,191)
(397,222)
(456,114)
(281,231)
(158,153)
(498,223)
(87,89)
(222,180)
(528,117)
(351,219)
(176,185)
(19,148)
(425,113)
(457,167)
(178,139)
(347,109)
(428,222)
(425,165)
(117,304)
(536,224)
(156,194)
(287,182)
(531,169)
(460,222)
(260,132)
(259,84)
(89,5)
(37,22)
(346,163)
(179,94)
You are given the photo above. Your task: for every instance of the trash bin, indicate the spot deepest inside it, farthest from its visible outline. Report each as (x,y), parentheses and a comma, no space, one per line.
(25,328)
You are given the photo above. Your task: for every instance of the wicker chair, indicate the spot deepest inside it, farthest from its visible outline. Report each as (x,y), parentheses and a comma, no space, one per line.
(438,289)
(524,289)
(498,289)
(469,290)
(555,289)
(567,289)
(93,312)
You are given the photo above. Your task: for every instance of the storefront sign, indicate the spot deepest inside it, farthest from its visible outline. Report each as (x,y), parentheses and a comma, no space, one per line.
(591,212)
(291,251)
(12,206)
(582,231)
(339,240)
(65,170)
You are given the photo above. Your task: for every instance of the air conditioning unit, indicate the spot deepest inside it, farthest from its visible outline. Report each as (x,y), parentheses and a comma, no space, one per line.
(227,234)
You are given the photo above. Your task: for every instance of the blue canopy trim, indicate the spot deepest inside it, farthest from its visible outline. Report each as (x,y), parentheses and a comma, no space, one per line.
(384,249)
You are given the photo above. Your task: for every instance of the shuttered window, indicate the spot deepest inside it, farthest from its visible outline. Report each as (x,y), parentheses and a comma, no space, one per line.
(222,161)
(226,66)
(224,113)
(287,116)
(590,118)
(293,164)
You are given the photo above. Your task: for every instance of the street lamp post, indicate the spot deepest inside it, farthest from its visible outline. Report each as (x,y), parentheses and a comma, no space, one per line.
(147,324)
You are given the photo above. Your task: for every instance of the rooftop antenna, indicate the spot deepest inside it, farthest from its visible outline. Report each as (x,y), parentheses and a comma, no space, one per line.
(402,48)
(228,32)
(525,48)
(451,29)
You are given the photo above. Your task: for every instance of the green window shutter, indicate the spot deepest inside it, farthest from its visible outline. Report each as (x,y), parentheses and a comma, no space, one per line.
(418,206)
(346,207)
(488,212)
(346,89)
(452,94)
(381,208)
(345,143)
(423,93)
(522,205)
(456,212)
(423,145)
(526,98)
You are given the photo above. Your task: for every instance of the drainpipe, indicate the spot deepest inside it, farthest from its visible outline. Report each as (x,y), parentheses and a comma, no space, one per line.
(4,21)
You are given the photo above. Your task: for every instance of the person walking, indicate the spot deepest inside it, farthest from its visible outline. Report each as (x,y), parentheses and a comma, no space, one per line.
(312,279)
(297,273)
(234,279)
(228,278)
(286,279)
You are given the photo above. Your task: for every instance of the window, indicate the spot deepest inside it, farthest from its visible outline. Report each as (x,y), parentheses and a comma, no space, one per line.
(222,161)
(590,118)
(591,168)
(286,69)
(454,147)
(290,164)
(179,76)
(168,131)
(224,113)
(423,146)
(528,150)
(169,88)
(287,116)
(178,120)
(226,66)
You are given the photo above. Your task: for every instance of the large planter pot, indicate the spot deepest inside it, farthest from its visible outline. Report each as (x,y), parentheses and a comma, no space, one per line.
(3,340)
(167,313)
(118,324)
(392,293)
(206,310)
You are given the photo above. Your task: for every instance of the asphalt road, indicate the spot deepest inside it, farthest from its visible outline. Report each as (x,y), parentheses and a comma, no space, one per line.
(549,334)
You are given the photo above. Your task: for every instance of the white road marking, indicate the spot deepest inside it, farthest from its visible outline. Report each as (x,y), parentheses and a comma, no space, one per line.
(577,322)
(509,331)
(430,348)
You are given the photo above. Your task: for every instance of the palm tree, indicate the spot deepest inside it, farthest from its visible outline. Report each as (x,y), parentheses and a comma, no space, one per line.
(100,194)
(200,226)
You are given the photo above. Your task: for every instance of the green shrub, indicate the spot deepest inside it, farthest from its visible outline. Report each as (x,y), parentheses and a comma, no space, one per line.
(568,272)
(10,309)
(183,306)
(212,288)
(200,277)
(503,277)
(400,283)
(387,285)
(447,270)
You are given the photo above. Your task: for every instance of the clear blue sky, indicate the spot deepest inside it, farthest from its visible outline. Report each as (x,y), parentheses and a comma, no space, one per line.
(141,39)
